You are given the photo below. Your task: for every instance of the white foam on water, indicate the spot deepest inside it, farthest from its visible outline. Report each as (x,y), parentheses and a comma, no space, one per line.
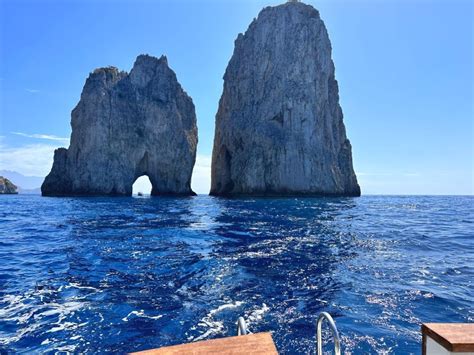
(257,315)
(76,285)
(21,308)
(226,306)
(141,314)
(215,326)
(66,326)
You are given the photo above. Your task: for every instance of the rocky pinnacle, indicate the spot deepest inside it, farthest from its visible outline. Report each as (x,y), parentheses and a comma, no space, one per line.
(279,125)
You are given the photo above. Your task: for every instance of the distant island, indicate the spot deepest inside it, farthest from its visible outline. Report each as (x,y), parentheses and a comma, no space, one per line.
(7,187)
(26,184)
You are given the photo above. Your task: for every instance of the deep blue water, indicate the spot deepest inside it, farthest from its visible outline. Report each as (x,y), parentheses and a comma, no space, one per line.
(128,274)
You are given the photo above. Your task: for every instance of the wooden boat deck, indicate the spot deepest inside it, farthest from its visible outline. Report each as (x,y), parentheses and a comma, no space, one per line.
(259,343)
(455,337)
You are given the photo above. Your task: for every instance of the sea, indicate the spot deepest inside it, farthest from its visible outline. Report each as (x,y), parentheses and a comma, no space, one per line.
(117,275)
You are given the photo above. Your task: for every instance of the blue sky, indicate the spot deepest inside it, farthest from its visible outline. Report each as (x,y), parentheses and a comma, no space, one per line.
(405,72)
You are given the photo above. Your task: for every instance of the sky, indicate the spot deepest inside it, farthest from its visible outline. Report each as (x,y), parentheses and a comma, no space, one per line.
(404,67)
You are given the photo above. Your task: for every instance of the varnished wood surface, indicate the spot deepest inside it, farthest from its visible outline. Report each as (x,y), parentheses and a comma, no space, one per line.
(259,344)
(456,337)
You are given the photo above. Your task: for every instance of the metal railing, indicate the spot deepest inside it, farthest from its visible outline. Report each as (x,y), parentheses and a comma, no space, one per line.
(242,327)
(242,330)
(335,334)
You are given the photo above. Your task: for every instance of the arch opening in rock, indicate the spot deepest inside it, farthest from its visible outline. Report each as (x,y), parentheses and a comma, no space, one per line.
(142,186)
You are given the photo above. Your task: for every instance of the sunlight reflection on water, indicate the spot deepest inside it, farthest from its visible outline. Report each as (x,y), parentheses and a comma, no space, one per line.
(127,274)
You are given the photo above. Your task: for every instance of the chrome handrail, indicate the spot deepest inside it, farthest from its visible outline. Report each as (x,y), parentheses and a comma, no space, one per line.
(241,326)
(335,334)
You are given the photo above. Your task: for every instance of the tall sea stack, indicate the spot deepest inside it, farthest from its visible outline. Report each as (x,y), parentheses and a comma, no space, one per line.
(126,126)
(279,126)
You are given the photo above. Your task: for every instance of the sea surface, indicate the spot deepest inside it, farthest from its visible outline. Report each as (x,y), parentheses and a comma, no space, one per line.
(105,275)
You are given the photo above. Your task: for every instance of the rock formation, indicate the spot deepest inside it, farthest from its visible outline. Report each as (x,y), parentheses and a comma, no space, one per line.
(126,126)
(7,187)
(279,126)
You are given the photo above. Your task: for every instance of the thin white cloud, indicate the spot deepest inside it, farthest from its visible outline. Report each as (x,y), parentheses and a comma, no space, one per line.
(358,173)
(32,159)
(32,91)
(409,174)
(42,136)
(201,180)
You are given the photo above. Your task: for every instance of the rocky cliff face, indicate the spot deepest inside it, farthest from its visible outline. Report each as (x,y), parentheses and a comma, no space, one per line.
(126,126)
(7,187)
(279,126)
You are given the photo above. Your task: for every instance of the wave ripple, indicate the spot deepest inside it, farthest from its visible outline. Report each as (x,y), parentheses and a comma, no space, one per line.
(124,274)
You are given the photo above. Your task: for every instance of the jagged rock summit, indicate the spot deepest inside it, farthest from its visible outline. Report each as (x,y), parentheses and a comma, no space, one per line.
(125,126)
(279,126)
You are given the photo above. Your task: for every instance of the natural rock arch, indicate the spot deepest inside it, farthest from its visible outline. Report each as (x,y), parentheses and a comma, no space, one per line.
(126,126)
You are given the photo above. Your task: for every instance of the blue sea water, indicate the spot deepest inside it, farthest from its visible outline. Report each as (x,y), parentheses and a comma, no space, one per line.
(127,274)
